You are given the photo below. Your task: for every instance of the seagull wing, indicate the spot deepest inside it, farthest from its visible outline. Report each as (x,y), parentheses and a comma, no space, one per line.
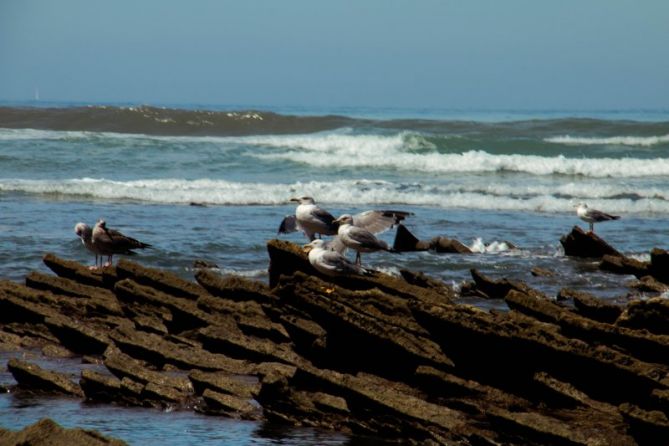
(288,224)
(378,221)
(596,215)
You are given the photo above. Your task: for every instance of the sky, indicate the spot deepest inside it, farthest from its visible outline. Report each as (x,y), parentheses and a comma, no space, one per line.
(444,54)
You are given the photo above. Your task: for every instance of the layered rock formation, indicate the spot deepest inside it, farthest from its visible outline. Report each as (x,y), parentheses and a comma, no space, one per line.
(392,357)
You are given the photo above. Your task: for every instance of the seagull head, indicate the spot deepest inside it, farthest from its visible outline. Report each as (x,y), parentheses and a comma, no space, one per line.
(314,244)
(101,224)
(81,229)
(346,219)
(303,200)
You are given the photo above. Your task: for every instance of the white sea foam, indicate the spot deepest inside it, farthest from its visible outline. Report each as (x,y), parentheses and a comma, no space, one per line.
(479,246)
(411,152)
(540,198)
(642,141)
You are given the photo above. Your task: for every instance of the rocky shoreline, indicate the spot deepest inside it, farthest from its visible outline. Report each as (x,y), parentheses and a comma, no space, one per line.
(391,357)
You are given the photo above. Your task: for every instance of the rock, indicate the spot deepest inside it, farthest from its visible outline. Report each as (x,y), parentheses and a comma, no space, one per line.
(33,377)
(230,405)
(75,271)
(659,264)
(497,289)
(78,336)
(99,387)
(448,245)
(234,288)
(648,427)
(592,307)
(581,244)
(649,284)
(164,281)
(223,383)
(651,314)
(620,264)
(541,272)
(47,432)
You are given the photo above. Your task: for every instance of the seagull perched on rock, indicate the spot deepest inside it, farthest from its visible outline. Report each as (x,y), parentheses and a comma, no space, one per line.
(593,216)
(85,233)
(358,238)
(331,263)
(310,218)
(108,242)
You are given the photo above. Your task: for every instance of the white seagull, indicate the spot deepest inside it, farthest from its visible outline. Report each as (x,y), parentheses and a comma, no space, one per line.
(108,242)
(593,216)
(358,238)
(85,233)
(331,263)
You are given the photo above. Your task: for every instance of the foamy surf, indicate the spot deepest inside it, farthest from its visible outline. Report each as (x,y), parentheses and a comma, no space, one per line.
(641,141)
(500,196)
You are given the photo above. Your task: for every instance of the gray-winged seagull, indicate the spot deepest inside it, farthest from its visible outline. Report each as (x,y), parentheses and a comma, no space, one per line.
(85,233)
(593,216)
(110,241)
(330,263)
(358,238)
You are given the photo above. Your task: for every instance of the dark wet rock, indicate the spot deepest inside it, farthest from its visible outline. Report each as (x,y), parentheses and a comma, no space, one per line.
(100,388)
(405,241)
(75,271)
(47,432)
(647,427)
(648,284)
(541,272)
(9,341)
(183,313)
(651,314)
(579,243)
(592,307)
(498,288)
(424,281)
(230,405)
(164,281)
(56,351)
(77,336)
(204,264)
(31,376)
(659,264)
(234,288)
(224,383)
(448,245)
(620,264)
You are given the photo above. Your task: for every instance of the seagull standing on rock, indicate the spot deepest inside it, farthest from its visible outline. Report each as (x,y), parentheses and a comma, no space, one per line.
(108,242)
(310,218)
(331,263)
(357,238)
(593,216)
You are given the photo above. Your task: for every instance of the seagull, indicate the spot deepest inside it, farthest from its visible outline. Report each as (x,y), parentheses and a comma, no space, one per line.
(593,216)
(331,263)
(85,233)
(110,241)
(307,211)
(358,238)
(310,218)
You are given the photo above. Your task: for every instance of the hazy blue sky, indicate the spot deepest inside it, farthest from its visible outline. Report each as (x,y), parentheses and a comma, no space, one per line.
(472,54)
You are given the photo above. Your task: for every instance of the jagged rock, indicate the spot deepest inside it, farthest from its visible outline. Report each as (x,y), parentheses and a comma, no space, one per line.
(497,289)
(659,264)
(184,313)
(224,383)
(592,307)
(47,432)
(56,351)
(230,405)
(164,281)
(448,245)
(424,281)
(405,241)
(33,377)
(647,427)
(201,263)
(579,243)
(234,288)
(620,264)
(648,284)
(77,336)
(99,387)
(76,271)
(651,314)
(541,272)
(233,343)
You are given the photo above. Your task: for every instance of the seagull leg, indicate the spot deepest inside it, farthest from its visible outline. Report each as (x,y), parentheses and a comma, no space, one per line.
(592,227)
(358,258)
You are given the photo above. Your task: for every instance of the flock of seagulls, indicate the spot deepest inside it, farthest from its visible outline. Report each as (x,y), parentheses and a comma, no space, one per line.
(356,232)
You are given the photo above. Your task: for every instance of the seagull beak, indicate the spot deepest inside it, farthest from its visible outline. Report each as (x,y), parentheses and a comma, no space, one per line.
(296,200)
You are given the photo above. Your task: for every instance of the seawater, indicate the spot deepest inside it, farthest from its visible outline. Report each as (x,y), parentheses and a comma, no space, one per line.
(214,184)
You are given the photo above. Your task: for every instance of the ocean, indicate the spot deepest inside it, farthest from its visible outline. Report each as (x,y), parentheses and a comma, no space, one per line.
(213,183)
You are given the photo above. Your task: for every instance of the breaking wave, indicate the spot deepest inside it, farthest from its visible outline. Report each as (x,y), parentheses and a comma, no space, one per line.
(641,141)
